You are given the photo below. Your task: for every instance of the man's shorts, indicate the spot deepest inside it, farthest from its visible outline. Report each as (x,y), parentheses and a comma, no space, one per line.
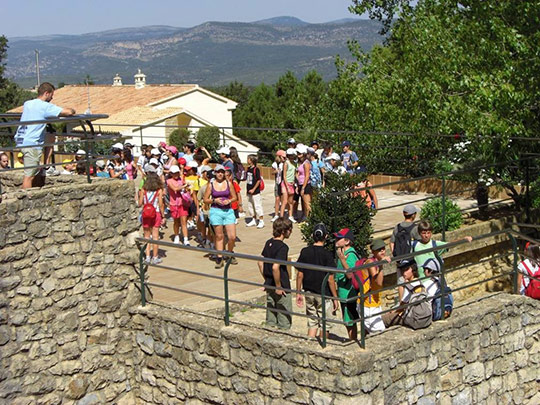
(314,308)
(220,216)
(375,322)
(32,157)
(178,211)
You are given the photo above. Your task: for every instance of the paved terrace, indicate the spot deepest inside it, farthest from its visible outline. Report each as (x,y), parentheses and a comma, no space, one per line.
(251,242)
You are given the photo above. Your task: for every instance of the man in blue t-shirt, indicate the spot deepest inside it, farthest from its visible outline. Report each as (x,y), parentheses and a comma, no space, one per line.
(349,158)
(33,135)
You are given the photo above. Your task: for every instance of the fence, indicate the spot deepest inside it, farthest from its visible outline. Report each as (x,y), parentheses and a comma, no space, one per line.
(361,296)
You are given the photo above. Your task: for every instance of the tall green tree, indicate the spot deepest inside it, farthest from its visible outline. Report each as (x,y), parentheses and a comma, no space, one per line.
(456,67)
(11,95)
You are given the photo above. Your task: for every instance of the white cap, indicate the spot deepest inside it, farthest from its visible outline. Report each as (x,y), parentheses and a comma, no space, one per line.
(155,151)
(333,156)
(301,148)
(137,154)
(100,163)
(164,157)
(174,169)
(310,150)
(192,163)
(154,161)
(117,146)
(225,150)
(291,151)
(80,152)
(291,140)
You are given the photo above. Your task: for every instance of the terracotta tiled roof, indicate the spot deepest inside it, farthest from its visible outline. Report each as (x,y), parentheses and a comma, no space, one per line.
(107,99)
(135,116)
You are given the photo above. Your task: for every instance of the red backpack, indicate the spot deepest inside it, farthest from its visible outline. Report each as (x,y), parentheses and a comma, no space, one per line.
(149,211)
(533,289)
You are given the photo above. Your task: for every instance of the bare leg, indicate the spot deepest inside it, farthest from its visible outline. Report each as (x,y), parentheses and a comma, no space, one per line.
(155,236)
(219,237)
(147,233)
(231,234)
(183,222)
(27,182)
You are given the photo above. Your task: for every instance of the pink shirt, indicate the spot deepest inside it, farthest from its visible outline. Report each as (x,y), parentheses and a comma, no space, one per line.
(301,173)
(174,196)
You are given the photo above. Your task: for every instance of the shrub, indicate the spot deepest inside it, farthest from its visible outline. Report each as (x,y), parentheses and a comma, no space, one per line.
(209,138)
(341,211)
(178,138)
(432,211)
(534,194)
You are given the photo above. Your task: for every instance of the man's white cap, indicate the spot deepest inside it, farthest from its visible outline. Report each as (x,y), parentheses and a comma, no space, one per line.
(155,151)
(301,148)
(291,151)
(333,156)
(154,161)
(117,146)
(80,152)
(174,169)
(192,163)
(225,150)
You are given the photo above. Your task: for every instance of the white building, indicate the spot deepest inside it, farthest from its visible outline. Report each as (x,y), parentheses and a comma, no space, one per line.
(149,113)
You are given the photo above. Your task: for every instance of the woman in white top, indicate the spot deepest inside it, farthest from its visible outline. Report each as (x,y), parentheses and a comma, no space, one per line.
(528,266)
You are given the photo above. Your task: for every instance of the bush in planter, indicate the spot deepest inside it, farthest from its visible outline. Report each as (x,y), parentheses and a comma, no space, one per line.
(343,211)
(178,138)
(432,211)
(209,138)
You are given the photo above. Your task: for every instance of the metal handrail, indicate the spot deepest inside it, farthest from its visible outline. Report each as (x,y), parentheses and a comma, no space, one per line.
(329,270)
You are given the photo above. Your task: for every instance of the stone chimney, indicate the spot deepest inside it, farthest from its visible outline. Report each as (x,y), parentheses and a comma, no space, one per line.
(140,79)
(117,80)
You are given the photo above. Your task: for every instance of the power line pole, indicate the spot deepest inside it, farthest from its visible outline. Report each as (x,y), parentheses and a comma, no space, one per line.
(37,67)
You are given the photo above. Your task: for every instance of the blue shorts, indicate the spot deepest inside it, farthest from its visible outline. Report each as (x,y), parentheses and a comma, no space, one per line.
(220,216)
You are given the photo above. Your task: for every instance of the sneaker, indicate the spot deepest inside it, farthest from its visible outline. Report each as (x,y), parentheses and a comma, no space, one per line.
(157,260)
(190,225)
(241,214)
(260,225)
(234,261)
(236,222)
(219,263)
(51,171)
(186,242)
(148,260)
(177,239)
(252,223)
(274,218)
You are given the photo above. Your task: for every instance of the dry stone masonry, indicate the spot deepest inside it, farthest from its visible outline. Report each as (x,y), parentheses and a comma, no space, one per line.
(72,330)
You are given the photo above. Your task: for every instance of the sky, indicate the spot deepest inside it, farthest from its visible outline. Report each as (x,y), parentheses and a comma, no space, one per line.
(40,17)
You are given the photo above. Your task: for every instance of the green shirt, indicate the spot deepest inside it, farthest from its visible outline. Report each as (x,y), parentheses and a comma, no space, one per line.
(345,288)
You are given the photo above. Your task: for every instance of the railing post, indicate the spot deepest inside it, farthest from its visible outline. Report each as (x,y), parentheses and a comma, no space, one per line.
(362,327)
(515,264)
(323,303)
(142,268)
(226,290)
(443,214)
(527,196)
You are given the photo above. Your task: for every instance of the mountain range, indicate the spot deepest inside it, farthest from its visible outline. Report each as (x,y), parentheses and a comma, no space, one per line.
(211,54)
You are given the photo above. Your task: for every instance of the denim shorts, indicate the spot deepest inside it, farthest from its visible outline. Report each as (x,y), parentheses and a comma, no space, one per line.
(220,216)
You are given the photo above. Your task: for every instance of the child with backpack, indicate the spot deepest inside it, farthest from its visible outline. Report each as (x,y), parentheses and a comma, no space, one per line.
(441,305)
(419,313)
(425,242)
(530,267)
(179,202)
(151,200)
(371,280)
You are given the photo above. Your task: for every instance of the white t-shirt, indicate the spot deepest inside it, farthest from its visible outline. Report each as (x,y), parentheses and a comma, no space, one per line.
(431,285)
(411,286)
(279,169)
(523,270)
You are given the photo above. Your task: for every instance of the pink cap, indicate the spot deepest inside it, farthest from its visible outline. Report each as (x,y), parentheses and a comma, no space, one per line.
(281,153)
(163,144)
(172,149)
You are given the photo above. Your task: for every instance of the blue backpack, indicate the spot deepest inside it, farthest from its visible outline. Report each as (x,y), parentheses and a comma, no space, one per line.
(439,306)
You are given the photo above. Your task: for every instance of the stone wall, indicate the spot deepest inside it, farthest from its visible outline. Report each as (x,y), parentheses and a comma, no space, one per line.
(66,283)
(487,352)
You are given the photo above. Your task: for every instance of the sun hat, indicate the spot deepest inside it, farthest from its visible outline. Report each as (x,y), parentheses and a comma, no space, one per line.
(206,168)
(80,152)
(377,244)
(154,161)
(117,146)
(172,149)
(155,151)
(224,150)
(150,169)
(345,233)
(291,151)
(291,140)
(432,264)
(100,164)
(192,164)
(281,153)
(334,156)
(174,169)
(301,148)
(219,168)
(410,209)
